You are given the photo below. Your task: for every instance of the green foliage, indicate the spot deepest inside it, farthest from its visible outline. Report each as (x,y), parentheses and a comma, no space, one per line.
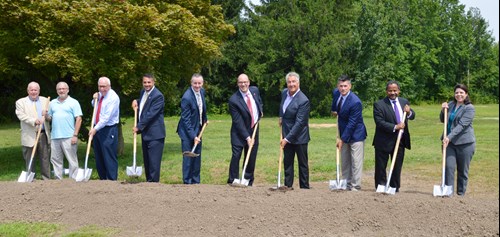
(79,41)
(284,36)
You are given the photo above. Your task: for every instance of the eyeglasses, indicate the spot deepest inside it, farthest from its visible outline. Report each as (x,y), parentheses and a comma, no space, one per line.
(243,82)
(62,88)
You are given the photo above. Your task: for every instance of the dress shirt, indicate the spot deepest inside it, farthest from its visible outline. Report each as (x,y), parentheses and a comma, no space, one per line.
(288,100)
(110,110)
(255,111)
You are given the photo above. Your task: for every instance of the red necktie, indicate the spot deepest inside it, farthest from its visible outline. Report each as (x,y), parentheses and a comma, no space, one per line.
(98,110)
(249,105)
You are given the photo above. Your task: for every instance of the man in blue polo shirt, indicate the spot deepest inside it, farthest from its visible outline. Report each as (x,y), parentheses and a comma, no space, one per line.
(66,116)
(105,130)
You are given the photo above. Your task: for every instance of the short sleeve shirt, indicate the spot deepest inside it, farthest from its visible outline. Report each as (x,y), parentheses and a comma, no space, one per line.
(63,117)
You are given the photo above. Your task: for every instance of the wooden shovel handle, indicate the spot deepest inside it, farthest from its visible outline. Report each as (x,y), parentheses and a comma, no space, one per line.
(45,107)
(201,132)
(91,126)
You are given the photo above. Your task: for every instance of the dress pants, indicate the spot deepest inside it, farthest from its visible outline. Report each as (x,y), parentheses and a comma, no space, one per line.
(60,148)
(191,166)
(459,157)
(352,163)
(105,151)
(381,160)
(234,170)
(289,155)
(43,153)
(152,152)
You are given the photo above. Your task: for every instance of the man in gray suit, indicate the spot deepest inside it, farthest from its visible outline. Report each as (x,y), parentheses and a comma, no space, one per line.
(294,120)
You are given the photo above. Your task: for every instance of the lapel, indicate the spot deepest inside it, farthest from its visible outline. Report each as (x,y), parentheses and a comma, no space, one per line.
(391,109)
(29,107)
(194,101)
(292,102)
(347,101)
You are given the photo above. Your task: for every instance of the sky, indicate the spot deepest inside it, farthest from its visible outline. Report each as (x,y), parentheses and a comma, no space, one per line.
(489,11)
(488,8)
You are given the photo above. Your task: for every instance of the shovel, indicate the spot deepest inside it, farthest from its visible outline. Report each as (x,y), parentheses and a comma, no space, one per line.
(244,182)
(134,170)
(84,174)
(338,184)
(279,165)
(191,153)
(27,176)
(387,188)
(443,189)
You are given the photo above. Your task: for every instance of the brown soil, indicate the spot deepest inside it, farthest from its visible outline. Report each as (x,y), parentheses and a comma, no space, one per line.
(150,209)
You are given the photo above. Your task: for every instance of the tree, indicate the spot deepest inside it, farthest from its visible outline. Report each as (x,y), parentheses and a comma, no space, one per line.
(79,41)
(305,36)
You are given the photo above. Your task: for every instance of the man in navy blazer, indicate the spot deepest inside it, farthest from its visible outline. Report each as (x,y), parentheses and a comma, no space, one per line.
(244,118)
(294,121)
(151,126)
(193,116)
(386,132)
(348,109)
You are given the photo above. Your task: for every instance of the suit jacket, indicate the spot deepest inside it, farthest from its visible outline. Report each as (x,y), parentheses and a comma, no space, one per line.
(461,131)
(189,123)
(151,123)
(350,118)
(27,116)
(241,127)
(385,120)
(295,119)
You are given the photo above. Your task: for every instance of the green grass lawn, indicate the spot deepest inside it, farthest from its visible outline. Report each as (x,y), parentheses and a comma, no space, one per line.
(424,160)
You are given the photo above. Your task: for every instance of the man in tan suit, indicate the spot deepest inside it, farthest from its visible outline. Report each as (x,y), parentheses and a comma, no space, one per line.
(29,110)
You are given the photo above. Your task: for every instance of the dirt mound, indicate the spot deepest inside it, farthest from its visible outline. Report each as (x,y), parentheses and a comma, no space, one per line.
(150,209)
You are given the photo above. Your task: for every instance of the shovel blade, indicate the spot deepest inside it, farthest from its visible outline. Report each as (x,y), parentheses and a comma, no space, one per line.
(341,185)
(386,189)
(83,175)
(134,171)
(442,191)
(240,182)
(26,177)
(190,154)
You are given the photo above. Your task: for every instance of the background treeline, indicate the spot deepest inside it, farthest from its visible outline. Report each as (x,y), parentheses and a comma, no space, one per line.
(427,45)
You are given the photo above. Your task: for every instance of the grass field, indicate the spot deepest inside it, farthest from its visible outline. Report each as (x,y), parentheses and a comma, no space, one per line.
(423,161)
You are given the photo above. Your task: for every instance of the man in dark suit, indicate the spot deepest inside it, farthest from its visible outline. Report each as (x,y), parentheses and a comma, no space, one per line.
(388,116)
(245,106)
(352,131)
(193,116)
(294,120)
(151,126)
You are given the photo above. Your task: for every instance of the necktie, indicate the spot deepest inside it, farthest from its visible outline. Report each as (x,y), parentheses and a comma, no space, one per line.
(249,105)
(200,105)
(340,104)
(98,110)
(396,111)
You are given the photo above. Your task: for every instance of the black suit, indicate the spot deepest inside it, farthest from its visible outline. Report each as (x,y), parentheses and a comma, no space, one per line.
(295,129)
(241,129)
(385,140)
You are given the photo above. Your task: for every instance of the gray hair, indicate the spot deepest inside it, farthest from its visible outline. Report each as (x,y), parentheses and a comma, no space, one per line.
(33,83)
(196,75)
(105,79)
(292,74)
